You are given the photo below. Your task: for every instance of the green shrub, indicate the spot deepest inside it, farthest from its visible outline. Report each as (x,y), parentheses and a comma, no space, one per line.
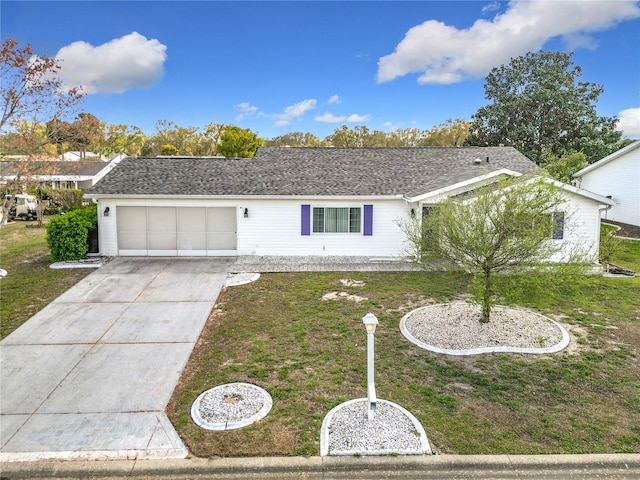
(67,235)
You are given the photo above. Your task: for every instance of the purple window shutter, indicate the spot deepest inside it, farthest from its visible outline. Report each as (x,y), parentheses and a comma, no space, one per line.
(306,220)
(368,220)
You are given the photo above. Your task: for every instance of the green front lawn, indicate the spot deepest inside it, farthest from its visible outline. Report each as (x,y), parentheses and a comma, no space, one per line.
(625,253)
(628,255)
(30,284)
(310,354)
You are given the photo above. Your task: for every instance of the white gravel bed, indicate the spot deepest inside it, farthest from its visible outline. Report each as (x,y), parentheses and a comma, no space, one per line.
(231,406)
(455,328)
(347,430)
(89,262)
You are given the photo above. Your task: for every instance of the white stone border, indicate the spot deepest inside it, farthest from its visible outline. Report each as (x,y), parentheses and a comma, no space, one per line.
(236,279)
(564,341)
(325,440)
(71,264)
(220,426)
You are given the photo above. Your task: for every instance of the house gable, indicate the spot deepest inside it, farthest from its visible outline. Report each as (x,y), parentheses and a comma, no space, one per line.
(617,177)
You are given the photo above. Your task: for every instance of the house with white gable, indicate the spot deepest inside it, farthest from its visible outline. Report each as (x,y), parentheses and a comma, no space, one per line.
(55,173)
(616,176)
(304,201)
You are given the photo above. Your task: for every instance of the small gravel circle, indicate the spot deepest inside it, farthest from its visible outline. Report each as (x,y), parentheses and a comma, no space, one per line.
(347,430)
(455,329)
(231,406)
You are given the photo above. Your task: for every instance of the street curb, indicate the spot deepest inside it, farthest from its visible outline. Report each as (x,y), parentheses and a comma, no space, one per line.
(629,463)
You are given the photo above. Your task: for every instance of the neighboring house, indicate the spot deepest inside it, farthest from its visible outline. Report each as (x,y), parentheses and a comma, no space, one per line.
(301,201)
(616,176)
(55,174)
(72,156)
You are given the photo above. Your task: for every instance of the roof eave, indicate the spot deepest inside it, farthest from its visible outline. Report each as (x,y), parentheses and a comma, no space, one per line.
(607,159)
(104,196)
(466,183)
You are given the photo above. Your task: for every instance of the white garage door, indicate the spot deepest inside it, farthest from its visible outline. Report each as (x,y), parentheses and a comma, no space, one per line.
(176,231)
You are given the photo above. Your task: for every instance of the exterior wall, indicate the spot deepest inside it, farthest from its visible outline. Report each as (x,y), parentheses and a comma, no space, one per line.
(273,227)
(581,230)
(581,234)
(619,178)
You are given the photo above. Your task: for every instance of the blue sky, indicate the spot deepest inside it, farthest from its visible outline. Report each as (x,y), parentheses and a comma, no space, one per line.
(278,67)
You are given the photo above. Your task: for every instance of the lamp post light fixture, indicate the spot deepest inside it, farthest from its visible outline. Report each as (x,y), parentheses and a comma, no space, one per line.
(370,321)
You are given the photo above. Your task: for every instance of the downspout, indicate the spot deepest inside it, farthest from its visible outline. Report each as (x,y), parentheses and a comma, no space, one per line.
(600,210)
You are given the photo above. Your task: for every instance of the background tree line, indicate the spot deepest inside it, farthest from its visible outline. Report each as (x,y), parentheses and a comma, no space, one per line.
(538,105)
(88,134)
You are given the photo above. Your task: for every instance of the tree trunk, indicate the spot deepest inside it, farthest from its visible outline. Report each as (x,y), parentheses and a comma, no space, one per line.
(486,297)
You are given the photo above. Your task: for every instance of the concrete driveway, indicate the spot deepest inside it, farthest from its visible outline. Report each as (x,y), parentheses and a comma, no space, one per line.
(90,375)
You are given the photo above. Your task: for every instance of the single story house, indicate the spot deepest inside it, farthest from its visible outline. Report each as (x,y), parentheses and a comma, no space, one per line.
(301,201)
(617,177)
(55,173)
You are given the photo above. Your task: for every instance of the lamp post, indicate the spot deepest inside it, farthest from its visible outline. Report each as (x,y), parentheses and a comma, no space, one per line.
(370,321)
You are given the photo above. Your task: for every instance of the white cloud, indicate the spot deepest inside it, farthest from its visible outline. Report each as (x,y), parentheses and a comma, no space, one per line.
(334,99)
(246,110)
(131,61)
(445,54)
(331,118)
(293,111)
(629,123)
(491,7)
(358,118)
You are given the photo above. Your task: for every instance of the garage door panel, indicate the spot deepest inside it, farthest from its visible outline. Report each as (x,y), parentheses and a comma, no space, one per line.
(162,241)
(161,219)
(221,220)
(192,219)
(161,234)
(177,230)
(132,240)
(221,241)
(192,241)
(132,228)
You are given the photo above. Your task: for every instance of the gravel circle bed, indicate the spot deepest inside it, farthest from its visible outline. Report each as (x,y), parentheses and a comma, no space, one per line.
(455,329)
(347,430)
(231,406)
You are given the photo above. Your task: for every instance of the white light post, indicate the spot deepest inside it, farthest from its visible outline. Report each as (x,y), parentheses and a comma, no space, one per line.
(370,321)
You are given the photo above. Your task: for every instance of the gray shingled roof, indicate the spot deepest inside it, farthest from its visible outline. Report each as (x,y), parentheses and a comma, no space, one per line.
(311,172)
(50,167)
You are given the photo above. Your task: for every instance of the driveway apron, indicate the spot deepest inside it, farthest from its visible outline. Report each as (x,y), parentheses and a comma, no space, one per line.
(89,376)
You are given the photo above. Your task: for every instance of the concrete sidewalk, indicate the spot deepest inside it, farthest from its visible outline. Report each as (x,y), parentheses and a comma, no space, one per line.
(441,467)
(89,376)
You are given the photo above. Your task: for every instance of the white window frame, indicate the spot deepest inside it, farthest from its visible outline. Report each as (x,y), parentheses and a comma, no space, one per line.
(350,220)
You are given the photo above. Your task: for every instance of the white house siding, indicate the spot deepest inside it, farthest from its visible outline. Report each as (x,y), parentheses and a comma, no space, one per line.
(273,226)
(619,178)
(582,229)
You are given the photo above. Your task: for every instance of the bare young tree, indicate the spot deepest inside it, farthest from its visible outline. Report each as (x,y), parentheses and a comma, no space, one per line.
(509,226)
(31,88)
